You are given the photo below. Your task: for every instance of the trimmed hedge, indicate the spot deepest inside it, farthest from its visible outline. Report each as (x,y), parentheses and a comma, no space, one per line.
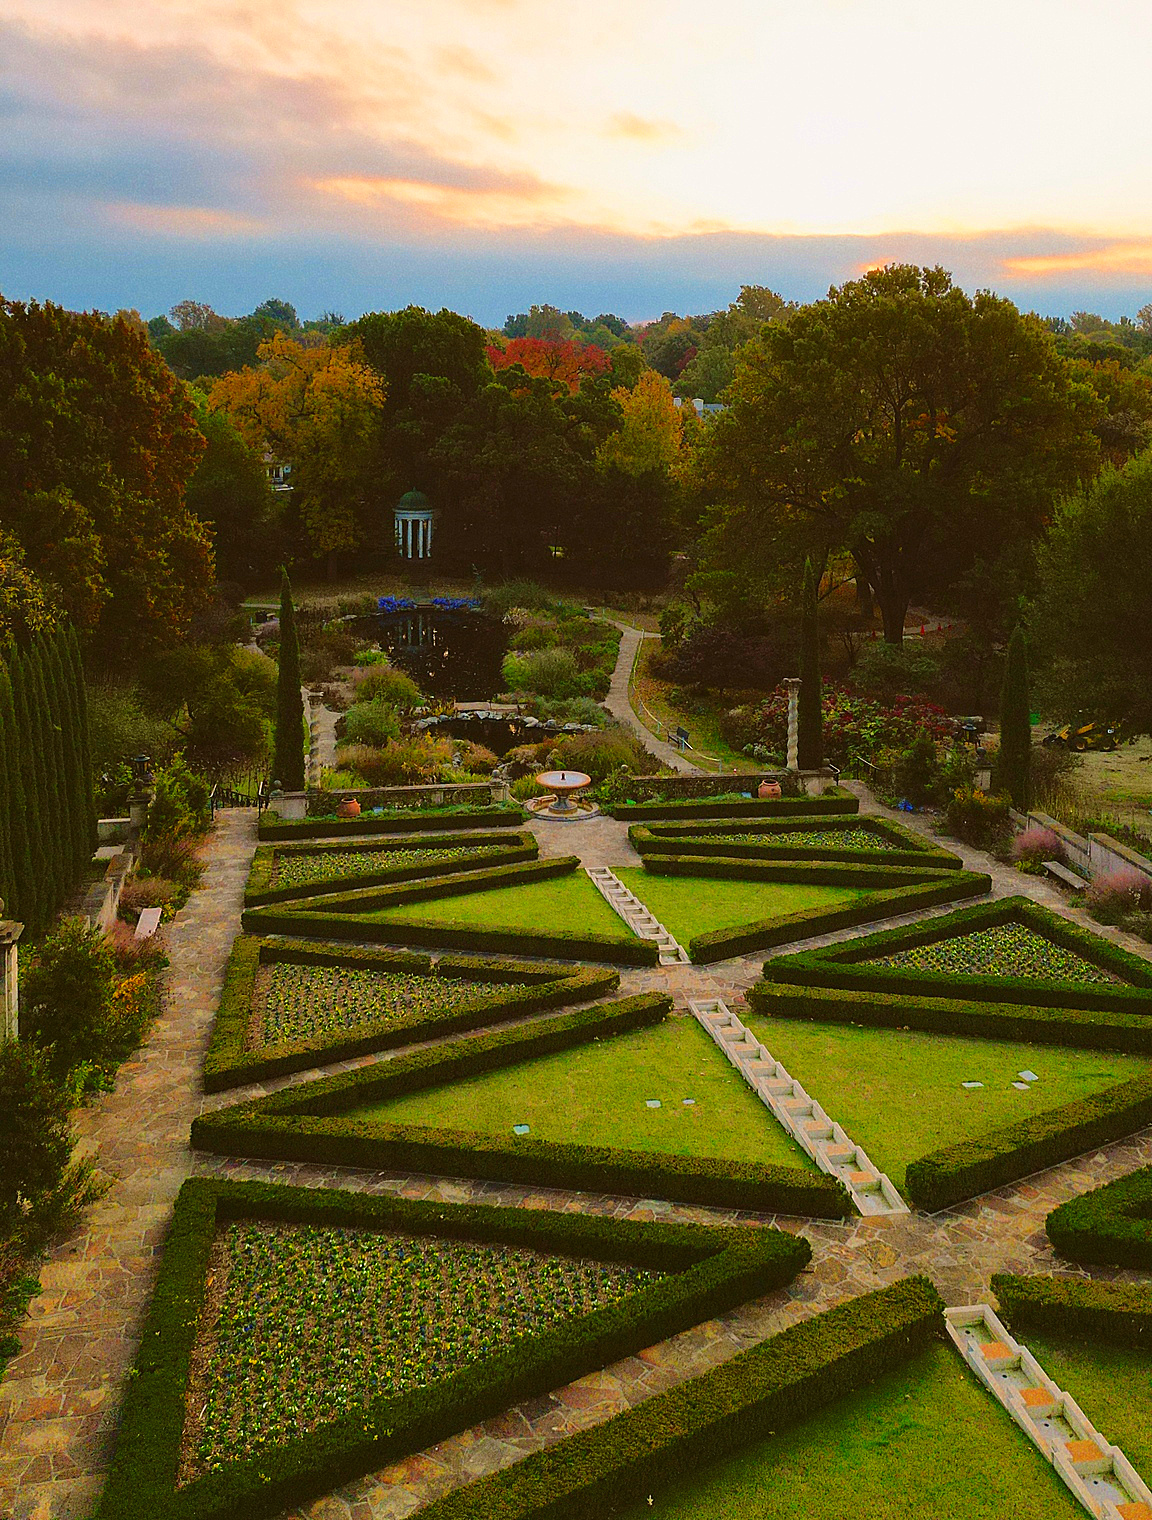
(896,834)
(841,965)
(945,886)
(1110,1225)
(833,801)
(306,1123)
(1077,1028)
(671,1436)
(710,1271)
(228,1063)
(811,873)
(401,821)
(517,848)
(1118,1313)
(948,1176)
(902,847)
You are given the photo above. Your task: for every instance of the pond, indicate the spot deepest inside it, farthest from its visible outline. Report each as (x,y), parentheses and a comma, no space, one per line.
(453,654)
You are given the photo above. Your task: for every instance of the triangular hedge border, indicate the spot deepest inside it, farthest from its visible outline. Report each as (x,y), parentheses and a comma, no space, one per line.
(901,846)
(306,1123)
(710,1271)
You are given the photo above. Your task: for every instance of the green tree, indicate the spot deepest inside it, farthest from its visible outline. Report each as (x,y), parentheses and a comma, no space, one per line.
(20,888)
(1092,614)
(230,493)
(909,424)
(810,714)
(35,1139)
(1013,766)
(288,765)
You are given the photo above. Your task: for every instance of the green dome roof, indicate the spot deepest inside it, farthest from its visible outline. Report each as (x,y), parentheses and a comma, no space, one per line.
(413,500)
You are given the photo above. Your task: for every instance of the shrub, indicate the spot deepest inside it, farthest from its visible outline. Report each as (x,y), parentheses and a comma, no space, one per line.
(1111,1225)
(916,771)
(373,722)
(532,636)
(387,684)
(976,818)
(1034,846)
(511,596)
(1119,1313)
(35,1139)
(549,672)
(1113,894)
(855,727)
(173,857)
(119,728)
(889,671)
(66,1000)
(148,892)
(598,754)
(132,954)
(569,710)
(404,762)
(181,802)
(1139,924)
(715,655)
(476,759)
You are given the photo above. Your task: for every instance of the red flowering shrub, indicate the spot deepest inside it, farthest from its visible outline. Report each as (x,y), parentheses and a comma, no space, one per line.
(855,727)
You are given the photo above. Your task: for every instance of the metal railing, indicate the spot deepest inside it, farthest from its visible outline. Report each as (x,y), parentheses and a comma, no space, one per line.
(662,730)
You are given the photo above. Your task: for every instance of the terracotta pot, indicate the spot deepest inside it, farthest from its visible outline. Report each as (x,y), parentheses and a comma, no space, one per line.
(350,808)
(768,789)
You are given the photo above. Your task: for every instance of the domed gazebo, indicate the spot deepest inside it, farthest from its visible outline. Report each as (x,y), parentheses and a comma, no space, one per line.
(414,517)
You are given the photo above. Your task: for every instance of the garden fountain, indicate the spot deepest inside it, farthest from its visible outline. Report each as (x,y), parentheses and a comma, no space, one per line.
(562,785)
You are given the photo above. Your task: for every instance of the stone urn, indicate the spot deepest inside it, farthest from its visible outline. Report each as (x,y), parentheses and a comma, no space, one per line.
(768,789)
(349,808)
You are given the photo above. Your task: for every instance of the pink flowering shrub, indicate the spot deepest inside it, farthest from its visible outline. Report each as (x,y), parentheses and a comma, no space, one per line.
(1036,845)
(1113,894)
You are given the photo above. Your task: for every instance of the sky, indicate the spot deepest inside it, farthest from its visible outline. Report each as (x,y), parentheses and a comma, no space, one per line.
(633,156)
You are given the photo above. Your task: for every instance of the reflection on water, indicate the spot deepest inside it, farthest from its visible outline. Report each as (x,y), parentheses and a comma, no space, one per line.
(455,655)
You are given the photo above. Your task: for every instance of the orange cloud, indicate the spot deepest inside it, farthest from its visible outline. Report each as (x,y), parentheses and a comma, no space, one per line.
(182,221)
(640,129)
(1116,258)
(528,205)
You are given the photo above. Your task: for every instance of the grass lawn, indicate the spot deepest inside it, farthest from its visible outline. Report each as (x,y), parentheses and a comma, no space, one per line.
(689,905)
(925,1442)
(564,902)
(674,708)
(598,1094)
(899,1095)
(1112,1385)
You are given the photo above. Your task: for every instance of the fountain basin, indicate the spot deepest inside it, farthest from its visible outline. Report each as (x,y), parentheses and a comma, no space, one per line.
(563,785)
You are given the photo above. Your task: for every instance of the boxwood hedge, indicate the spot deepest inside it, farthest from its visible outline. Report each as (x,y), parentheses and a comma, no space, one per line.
(1078,1028)
(843,966)
(1110,1225)
(833,801)
(709,1272)
(400,821)
(671,1436)
(230,1062)
(988,1161)
(1119,1313)
(900,846)
(308,1123)
(513,849)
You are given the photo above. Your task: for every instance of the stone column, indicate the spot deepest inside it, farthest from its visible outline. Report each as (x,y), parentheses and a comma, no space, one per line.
(9,980)
(793,685)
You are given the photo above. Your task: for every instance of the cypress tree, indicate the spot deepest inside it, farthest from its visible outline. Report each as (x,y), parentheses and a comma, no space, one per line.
(810,712)
(21,904)
(1013,767)
(52,804)
(87,838)
(289,757)
(76,823)
(37,889)
(7,760)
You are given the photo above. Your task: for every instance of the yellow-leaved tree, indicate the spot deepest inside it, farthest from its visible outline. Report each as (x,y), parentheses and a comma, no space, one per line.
(651,433)
(316,408)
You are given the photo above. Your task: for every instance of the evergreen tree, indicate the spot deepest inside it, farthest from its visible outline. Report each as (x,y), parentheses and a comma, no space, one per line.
(1013,766)
(35,891)
(289,759)
(87,838)
(21,903)
(52,805)
(810,713)
(7,759)
(76,823)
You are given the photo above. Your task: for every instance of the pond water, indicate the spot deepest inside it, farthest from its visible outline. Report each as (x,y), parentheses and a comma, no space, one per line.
(454,655)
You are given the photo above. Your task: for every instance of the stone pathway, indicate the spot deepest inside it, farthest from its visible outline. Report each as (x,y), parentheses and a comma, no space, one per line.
(619,703)
(59,1397)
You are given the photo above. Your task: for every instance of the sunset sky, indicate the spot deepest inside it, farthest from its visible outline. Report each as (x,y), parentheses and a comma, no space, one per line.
(622,155)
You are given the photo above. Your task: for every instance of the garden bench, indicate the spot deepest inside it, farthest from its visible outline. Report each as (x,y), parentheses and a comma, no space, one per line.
(147,923)
(1063,874)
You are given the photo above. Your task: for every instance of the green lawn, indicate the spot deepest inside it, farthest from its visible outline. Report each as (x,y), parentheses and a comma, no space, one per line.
(598,1095)
(690,905)
(925,1442)
(564,902)
(1112,1385)
(899,1095)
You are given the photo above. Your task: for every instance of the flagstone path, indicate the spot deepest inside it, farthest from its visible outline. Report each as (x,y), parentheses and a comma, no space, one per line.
(58,1401)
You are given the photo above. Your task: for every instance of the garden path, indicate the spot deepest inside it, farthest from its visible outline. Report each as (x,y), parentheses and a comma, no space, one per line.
(59,1398)
(619,703)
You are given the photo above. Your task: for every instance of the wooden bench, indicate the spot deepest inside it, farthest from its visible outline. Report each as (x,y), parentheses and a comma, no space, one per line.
(147,923)
(1063,874)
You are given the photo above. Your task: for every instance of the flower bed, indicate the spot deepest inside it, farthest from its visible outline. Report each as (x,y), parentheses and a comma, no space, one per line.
(295,868)
(313,1319)
(1003,950)
(826,839)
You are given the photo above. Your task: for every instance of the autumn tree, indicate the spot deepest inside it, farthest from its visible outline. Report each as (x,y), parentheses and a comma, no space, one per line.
(907,424)
(317,408)
(561,361)
(651,431)
(99,440)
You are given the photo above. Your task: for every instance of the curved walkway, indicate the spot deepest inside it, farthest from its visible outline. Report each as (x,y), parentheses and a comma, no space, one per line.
(619,704)
(59,1397)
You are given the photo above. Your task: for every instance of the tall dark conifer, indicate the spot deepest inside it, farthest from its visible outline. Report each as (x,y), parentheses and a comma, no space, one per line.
(87,838)
(289,762)
(7,760)
(52,804)
(1014,764)
(22,903)
(811,704)
(36,895)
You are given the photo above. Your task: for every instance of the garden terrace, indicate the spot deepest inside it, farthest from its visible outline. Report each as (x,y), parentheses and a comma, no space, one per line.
(286,1007)
(860,840)
(509,1302)
(337,1120)
(281,873)
(398,821)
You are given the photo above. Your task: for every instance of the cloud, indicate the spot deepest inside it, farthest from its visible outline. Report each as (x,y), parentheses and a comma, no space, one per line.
(183,221)
(626,125)
(1113,259)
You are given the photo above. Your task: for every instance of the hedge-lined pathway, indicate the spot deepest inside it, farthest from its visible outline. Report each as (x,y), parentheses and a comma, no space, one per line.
(59,1398)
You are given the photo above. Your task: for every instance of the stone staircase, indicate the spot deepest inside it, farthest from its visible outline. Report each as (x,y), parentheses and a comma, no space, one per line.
(635,914)
(1098,1474)
(818,1135)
